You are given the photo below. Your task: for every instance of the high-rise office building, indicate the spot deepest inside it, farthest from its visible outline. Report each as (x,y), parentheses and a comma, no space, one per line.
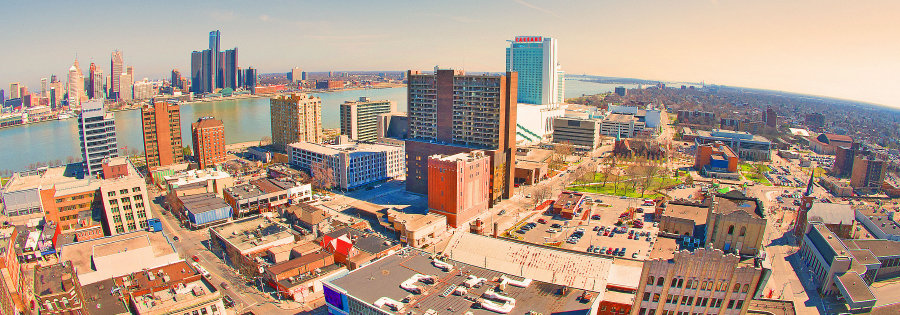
(116,66)
(208,139)
(296,117)
(534,58)
(451,112)
(143,89)
(45,87)
(359,119)
(296,74)
(2,97)
(213,68)
(541,85)
(75,85)
(126,87)
(96,84)
(14,90)
(250,79)
(162,134)
(97,135)
(90,85)
(229,73)
(213,61)
(175,81)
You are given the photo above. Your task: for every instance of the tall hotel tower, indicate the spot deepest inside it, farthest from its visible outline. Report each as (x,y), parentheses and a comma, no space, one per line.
(541,85)
(451,112)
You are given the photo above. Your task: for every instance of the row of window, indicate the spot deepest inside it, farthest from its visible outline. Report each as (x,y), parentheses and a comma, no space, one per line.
(695,284)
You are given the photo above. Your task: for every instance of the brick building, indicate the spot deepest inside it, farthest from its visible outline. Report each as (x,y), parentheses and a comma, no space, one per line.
(458,185)
(208,139)
(162,134)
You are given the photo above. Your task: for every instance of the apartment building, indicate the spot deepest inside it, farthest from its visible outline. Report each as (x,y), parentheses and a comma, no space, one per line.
(296,117)
(208,139)
(359,119)
(353,164)
(451,112)
(162,134)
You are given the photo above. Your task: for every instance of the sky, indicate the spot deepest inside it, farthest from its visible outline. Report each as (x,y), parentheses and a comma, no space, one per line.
(844,49)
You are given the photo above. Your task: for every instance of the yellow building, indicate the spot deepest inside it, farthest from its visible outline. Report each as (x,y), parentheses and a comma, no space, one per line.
(296,117)
(736,223)
(706,281)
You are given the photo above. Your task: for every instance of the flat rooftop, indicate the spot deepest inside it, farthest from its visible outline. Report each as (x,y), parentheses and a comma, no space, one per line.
(729,205)
(204,202)
(245,191)
(569,268)
(620,118)
(885,224)
(53,279)
(697,214)
(253,232)
(831,213)
(353,147)
(99,298)
(384,277)
(368,242)
(99,259)
(664,248)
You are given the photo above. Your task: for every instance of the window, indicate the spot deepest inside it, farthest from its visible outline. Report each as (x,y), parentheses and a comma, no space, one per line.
(745,288)
(739,305)
(737,287)
(136,189)
(731,230)
(111,193)
(660,280)
(646,296)
(123,191)
(743,231)
(655,297)
(730,304)
(689,283)
(650,280)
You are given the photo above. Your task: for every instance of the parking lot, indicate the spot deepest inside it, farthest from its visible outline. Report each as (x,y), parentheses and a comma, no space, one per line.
(598,232)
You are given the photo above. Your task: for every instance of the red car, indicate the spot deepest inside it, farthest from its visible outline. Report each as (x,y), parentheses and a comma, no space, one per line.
(542,221)
(195,258)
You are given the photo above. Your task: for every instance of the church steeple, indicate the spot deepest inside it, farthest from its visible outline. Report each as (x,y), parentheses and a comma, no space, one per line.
(809,185)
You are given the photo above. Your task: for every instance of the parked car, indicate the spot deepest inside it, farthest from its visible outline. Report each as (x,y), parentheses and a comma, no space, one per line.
(227,301)
(195,258)
(555,225)
(542,221)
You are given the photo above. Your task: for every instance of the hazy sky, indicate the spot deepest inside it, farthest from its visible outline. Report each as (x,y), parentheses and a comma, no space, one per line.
(847,49)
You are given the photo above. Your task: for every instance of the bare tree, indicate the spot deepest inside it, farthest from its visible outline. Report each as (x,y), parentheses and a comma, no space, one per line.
(265,140)
(322,176)
(649,171)
(541,192)
(560,152)
(610,162)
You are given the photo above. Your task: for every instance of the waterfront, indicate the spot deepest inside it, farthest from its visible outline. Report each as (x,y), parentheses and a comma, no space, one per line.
(245,120)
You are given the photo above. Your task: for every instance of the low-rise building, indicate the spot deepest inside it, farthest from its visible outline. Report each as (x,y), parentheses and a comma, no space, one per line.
(417,230)
(881,225)
(850,268)
(202,210)
(747,146)
(684,218)
(57,289)
(300,279)
(352,164)
(241,242)
(354,248)
(705,281)
(583,134)
(568,204)
(216,180)
(306,216)
(175,288)
(839,218)
(836,187)
(113,256)
(261,195)
(411,280)
(716,160)
(531,165)
(624,126)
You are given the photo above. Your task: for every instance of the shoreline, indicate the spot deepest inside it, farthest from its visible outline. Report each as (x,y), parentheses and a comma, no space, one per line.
(220,99)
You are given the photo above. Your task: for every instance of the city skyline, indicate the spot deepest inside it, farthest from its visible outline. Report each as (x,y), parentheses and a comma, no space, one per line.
(763,44)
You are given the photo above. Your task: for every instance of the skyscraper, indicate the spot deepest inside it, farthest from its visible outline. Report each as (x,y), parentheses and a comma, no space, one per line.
(450,113)
(45,87)
(162,134)
(208,138)
(230,71)
(296,74)
(96,89)
(250,79)
(359,120)
(197,80)
(97,135)
(75,85)
(175,81)
(116,65)
(14,90)
(541,85)
(296,117)
(90,86)
(213,61)
(126,85)
(534,58)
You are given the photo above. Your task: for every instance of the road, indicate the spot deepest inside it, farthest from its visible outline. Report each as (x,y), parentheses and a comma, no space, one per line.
(194,243)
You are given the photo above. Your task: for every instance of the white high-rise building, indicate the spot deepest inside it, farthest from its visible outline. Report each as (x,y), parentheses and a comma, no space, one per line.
(541,90)
(97,135)
(75,85)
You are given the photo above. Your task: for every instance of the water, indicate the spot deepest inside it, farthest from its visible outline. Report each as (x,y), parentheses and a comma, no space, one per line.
(244,119)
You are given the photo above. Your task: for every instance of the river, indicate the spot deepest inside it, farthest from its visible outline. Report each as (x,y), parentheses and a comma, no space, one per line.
(244,119)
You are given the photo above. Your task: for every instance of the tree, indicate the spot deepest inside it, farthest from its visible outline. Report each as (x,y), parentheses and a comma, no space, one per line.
(649,171)
(560,152)
(322,176)
(541,192)
(610,162)
(265,140)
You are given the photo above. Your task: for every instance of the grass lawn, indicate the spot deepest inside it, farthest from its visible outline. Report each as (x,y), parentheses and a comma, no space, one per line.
(749,172)
(3,181)
(625,188)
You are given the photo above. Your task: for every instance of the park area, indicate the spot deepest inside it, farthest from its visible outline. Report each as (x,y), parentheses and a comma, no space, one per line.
(756,173)
(637,179)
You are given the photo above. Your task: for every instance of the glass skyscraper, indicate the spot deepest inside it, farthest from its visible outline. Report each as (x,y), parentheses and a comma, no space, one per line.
(540,79)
